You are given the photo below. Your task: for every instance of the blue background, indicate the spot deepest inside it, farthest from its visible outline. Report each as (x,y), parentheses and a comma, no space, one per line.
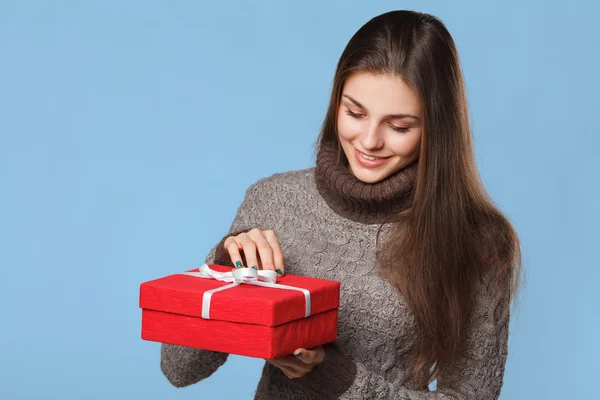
(131,130)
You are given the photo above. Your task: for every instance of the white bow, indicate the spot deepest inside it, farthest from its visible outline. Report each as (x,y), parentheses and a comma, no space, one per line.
(238,276)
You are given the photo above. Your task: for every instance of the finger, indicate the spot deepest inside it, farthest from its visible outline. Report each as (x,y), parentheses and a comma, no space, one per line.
(277,253)
(288,361)
(313,356)
(233,248)
(249,249)
(264,249)
(291,370)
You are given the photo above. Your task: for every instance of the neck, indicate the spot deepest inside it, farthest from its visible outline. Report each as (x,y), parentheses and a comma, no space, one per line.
(368,203)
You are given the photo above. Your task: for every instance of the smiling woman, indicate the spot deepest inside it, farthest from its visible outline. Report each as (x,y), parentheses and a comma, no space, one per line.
(377,142)
(395,156)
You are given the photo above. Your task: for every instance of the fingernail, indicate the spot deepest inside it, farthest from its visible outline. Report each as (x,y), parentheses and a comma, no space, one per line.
(255,267)
(238,264)
(298,354)
(279,271)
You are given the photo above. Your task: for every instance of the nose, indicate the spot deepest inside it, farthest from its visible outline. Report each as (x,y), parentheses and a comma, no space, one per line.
(372,139)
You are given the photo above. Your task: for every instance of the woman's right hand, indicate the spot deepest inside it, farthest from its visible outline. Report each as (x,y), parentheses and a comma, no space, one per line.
(260,247)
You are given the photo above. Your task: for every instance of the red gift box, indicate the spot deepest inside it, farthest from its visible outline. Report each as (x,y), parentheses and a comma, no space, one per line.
(247,319)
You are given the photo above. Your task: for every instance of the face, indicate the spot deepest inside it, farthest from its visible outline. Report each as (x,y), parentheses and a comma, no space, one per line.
(381,117)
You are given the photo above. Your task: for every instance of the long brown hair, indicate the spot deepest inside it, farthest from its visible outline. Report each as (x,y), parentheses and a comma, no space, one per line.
(452,236)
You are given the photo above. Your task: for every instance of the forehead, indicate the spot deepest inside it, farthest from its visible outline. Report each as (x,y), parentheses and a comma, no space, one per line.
(381,94)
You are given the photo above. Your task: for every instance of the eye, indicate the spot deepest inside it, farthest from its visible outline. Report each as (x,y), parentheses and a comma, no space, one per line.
(394,127)
(399,128)
(354,115)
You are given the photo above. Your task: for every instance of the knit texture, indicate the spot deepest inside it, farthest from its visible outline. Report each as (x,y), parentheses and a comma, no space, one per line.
(318,221)
(356,200)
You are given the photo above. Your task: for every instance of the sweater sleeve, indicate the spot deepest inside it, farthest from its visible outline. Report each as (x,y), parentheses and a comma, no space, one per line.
(477,375)
(184,366)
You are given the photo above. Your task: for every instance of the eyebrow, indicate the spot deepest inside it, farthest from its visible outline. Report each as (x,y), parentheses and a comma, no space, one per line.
(399,116)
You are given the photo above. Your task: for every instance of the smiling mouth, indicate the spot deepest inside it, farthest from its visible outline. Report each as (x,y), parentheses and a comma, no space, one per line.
(369,162)
(369,157)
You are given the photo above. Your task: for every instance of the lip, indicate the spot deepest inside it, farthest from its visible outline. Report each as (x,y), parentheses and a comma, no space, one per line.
(368,163)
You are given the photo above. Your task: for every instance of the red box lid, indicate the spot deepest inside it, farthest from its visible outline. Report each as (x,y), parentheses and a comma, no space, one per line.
(245,303)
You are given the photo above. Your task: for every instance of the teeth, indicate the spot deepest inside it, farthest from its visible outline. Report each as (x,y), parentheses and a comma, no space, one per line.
(367,157)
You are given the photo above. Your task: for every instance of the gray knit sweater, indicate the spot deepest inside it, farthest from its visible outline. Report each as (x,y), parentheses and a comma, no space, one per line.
(326,230)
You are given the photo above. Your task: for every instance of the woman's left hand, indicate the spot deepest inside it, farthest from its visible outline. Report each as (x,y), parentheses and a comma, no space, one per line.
(300,363)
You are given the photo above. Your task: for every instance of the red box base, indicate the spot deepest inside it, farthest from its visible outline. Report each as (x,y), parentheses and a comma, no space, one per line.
(236,338)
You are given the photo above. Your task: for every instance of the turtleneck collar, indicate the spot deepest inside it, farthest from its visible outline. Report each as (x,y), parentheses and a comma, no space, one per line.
(368,203)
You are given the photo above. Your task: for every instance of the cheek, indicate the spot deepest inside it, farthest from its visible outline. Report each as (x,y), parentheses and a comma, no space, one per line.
(347,126)
(406,145)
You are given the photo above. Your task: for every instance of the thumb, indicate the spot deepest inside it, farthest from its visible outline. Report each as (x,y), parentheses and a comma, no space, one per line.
(307,356)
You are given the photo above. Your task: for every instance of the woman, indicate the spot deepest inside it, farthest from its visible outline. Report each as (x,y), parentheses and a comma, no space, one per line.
(430,300)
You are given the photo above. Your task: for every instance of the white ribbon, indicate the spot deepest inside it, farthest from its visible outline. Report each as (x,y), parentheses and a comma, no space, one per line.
(238,276)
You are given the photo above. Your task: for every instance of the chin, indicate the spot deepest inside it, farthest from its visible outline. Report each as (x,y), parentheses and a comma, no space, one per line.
(368,176)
